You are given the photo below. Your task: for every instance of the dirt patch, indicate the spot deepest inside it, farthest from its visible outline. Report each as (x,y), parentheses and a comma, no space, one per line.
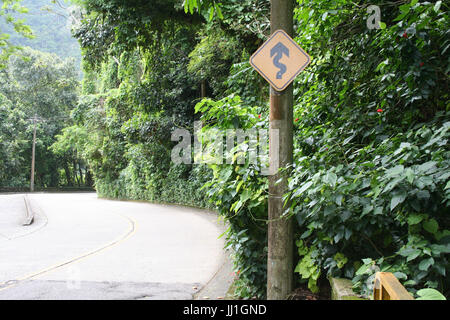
(303,293)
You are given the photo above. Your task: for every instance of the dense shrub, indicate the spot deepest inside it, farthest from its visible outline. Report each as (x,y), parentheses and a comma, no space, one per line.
(370,183)
(240,194)
(369,187)
(388,206)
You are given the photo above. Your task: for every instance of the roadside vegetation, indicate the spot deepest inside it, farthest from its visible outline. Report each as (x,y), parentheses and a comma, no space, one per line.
(370,186)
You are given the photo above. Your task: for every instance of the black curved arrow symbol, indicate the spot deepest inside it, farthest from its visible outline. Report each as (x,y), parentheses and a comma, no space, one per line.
(277,51)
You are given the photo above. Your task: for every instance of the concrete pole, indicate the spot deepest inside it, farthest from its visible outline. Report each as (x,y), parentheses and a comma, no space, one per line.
(280,271)
(33,153)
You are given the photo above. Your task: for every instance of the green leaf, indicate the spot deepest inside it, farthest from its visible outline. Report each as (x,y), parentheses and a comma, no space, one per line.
(410,283)
(405,252)
(303,188)
(401,16)
(367,208)
(414,219)
(211,13)
(427,166)
(400,275)
(382,25)
(381,64)
(413,255)
(245,195)
(329,210)
(447,185)
(431,226)
(239,185)
(395,171)
(345,215)
(424,265)
(404,8)
(219,12)
(362,270)
(306,234)
(440,269)
(391,185)
(430,294)
(225,174)
(437,6)
(409,175)
(237,205)
(397,199)
(331,178)
(340,259)
(338,199)
(378,210)
(423,194)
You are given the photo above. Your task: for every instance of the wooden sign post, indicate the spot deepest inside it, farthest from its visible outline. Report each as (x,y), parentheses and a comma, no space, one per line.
(279,60)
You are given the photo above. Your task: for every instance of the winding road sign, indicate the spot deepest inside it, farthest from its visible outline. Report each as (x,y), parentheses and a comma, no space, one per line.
(279,60)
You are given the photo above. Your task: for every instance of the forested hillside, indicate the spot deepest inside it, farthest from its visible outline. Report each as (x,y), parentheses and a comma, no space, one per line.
(51,26)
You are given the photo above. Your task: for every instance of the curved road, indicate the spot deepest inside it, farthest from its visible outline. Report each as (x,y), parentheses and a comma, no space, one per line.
(82,247)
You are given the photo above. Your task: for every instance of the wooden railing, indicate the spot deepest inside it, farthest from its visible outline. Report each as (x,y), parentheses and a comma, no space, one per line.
(387,287)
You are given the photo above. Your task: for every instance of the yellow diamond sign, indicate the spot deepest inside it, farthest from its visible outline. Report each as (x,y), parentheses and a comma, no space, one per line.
(279,60)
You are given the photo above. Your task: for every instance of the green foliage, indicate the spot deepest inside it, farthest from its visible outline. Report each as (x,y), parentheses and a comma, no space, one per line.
(248,20)
(143,71)
(240,194)
(140,96)
(369,186)
(372,158)
(397,206)
(429,294)
(13,27)
(13,143)
(208,7)
(244,81)
(115,26)
(48,28)
(212,57)
(306,267)
(72,140)
(42,85)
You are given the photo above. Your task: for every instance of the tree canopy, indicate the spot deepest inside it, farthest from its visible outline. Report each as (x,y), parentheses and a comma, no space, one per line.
(42,86)
(9,21)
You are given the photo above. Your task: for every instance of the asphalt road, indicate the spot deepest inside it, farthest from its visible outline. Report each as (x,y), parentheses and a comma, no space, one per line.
(82,247)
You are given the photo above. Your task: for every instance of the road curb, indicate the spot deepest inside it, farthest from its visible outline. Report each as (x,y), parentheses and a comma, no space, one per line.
(29,212)
(218,287)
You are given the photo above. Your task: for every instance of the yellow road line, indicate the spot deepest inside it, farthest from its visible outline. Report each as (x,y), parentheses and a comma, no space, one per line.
(131,231)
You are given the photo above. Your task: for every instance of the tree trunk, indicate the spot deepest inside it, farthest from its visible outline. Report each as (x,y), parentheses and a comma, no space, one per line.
(74,163)
(89,180)
(81,173)
(68,176)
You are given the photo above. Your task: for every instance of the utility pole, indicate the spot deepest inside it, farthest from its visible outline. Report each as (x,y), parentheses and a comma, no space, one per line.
(33,153)
(280,271)
(203,89)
